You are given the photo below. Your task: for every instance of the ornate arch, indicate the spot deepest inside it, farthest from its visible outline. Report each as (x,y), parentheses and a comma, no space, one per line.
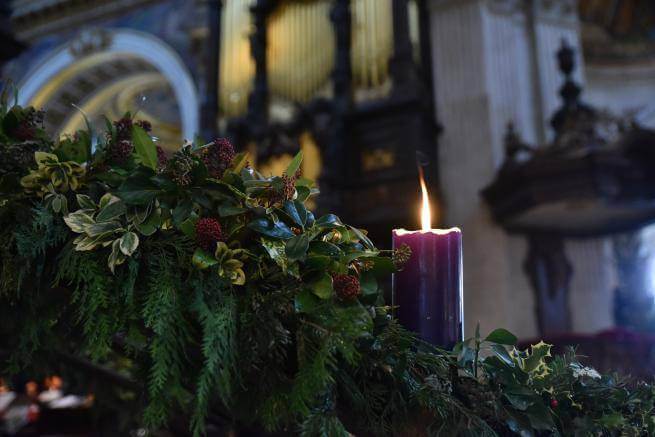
(94,49)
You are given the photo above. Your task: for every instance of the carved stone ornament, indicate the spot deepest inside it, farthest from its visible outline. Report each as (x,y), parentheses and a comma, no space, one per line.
(90,41)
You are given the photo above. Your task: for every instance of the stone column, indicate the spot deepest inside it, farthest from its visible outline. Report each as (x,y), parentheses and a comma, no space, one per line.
(494,62)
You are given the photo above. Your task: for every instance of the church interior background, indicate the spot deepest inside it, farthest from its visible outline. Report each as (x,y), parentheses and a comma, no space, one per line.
(467,86)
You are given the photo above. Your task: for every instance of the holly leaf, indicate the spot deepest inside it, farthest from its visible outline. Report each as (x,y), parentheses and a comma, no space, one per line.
(144,146)
(291,209)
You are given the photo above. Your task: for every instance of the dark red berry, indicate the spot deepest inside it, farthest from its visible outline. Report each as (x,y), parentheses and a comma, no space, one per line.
(208,233)
(218,156)
(162,159)
(145,125)
(346,286)
(554,403)
(123,128)
(119,152)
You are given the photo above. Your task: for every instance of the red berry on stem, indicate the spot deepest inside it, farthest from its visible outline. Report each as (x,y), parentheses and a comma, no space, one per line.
(554,403)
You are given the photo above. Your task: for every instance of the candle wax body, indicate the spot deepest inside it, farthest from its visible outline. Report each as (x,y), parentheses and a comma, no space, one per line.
(427,293)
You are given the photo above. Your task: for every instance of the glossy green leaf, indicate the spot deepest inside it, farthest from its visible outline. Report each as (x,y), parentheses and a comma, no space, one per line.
(502,336)
(182,211)
(294,165)
(368,284)
(323,286)
(329,221)
(188,227)
(306,302)
(203,260)
(144,147)
(271,229)
(229,210)
(324,248)
(296,248)
(151,224)
(138,190)
(292,212)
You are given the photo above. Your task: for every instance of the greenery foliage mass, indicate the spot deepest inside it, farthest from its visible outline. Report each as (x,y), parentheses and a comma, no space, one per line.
(219,293)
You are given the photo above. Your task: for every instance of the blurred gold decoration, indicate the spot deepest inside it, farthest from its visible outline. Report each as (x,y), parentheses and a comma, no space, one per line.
(377,159)
(301,50)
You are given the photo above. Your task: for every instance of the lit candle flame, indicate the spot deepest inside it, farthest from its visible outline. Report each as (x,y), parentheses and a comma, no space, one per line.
(426,223)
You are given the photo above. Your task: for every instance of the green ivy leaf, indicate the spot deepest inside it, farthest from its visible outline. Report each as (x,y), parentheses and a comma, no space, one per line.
(502,336)
(144,146)
(296,247)
(294,165)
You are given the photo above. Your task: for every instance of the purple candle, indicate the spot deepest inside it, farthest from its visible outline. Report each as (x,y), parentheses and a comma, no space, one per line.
(427,293)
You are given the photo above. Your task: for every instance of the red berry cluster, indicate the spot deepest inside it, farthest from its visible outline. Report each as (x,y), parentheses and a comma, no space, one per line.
(208,233)
(119,152)
(346,286)
(218,157)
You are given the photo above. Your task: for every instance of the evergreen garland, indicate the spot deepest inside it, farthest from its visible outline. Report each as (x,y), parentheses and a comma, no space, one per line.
(221,298)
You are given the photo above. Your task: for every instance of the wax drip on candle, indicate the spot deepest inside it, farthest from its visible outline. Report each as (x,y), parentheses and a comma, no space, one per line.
(426,222)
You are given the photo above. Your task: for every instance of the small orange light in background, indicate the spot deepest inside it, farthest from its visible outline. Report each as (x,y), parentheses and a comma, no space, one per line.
(31,389)
(426,216)
(53,382)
